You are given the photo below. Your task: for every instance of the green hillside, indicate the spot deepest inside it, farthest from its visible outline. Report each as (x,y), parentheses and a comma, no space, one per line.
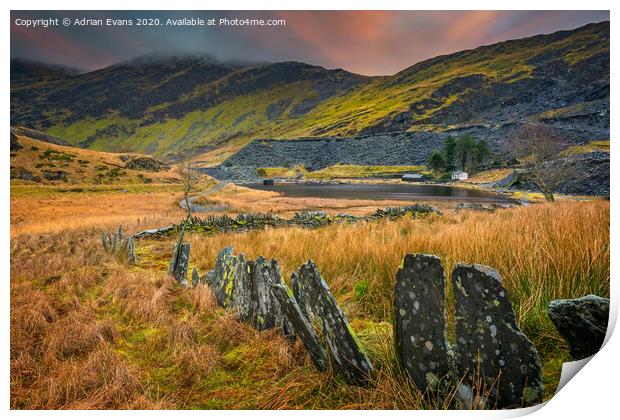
(190,106)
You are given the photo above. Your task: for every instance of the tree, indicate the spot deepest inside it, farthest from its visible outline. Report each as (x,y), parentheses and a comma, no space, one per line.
(465,152)
(188,177)
(448,148)
(538,148)
(436,161)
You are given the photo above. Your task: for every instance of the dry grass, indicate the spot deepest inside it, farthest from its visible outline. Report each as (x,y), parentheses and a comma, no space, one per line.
(43,213)
(593,146)
(89,332)
(492,175)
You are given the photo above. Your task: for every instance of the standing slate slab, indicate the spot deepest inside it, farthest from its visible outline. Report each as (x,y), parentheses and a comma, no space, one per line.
(221,279)
(582,322)
(346,350)
(489,344)
(301,325)
(179,262)
(267,313)
(420,328)
(243,296)
(195,277)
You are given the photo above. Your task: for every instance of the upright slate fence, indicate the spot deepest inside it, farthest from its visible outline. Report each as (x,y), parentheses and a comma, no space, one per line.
(489,363)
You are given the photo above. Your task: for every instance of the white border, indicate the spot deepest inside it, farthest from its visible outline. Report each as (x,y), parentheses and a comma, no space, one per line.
(591,394)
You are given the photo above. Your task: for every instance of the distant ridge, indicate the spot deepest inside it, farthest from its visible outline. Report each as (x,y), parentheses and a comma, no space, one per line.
(186,105)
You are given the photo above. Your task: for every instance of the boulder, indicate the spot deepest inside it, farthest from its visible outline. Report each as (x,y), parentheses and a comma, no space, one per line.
(582,322)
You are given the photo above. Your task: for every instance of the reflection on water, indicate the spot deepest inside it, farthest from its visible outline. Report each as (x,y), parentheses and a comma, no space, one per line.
(393,192)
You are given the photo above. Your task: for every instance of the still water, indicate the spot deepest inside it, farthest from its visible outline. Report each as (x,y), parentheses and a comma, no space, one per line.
(394,192)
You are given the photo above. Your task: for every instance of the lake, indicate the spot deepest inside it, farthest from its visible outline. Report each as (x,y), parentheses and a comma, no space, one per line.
(393,192)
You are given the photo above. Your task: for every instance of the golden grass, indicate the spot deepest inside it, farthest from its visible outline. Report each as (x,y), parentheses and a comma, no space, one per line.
(492,175)
(281,172)
(43,213)
(89,332)
(593,146)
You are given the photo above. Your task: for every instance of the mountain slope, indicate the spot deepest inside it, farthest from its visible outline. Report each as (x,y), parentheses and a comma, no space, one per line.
(36,161)
(192,105)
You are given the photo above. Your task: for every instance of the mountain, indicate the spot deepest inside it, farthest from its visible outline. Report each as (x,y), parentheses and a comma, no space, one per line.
(172,107)
(25,73)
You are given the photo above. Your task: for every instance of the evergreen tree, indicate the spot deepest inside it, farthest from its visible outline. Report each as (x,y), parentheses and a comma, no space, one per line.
(436,161)
(448,150)
(465,152)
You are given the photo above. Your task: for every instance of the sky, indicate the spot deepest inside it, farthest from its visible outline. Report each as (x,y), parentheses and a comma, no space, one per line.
(364,42)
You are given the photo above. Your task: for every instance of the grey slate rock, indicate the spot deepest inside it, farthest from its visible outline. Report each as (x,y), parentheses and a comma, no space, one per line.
(302,326)
(267,313)
(131,251)
(195,278)
(221,279)
(179,262)
(242,289)
(582,322)
(490,346)
(420,327)
(319,302)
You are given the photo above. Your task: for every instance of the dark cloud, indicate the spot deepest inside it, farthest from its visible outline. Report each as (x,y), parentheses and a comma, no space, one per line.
(366,42)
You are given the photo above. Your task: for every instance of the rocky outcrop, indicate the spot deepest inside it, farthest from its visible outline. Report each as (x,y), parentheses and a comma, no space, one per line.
(15,144)
(589,175)
(144,163)
(25,174)
(585,174)
(37,135)
(317,153)
(582,322)
(55,175)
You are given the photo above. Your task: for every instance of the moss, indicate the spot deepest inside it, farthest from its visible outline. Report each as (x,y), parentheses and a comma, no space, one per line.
(361,289)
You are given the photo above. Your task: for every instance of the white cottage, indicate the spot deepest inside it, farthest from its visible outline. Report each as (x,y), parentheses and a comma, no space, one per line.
(460,175)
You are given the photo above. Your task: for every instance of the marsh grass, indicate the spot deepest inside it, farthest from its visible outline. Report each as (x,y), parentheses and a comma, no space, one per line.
(89,332)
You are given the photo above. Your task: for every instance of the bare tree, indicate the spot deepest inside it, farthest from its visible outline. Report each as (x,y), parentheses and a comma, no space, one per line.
(538,148)
(189,177)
